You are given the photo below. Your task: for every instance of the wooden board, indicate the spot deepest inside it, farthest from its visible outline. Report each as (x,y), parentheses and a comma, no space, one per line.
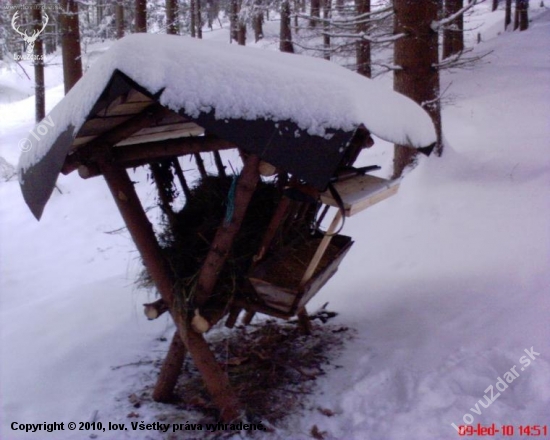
(360,192)
(285,294)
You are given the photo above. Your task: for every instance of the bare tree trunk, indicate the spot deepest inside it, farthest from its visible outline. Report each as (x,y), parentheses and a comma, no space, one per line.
(234,21)
(285,37)
(516,16)
(141,16)
(257,23)
(315,12)
(70,43)
(362,47)
(416,54)
(198,19)
(495,5)
(192,19)
(241,33)
(171,17)
(38,51)
(523,14)
(453,36)
(119,19)
(326,26)
(508,14)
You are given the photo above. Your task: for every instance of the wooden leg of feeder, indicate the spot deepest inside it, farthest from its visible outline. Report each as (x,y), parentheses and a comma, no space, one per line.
(304,322)
(140,228)
(170,371)
(142,233)
(226,232)
(321,249)
(248,317)
(216,381)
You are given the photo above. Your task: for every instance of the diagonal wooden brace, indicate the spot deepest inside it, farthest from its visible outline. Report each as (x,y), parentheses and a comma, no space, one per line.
(141,230)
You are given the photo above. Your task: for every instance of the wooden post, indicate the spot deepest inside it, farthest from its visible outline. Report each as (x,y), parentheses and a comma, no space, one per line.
(170,370)
(200,164)
(140,228)
(321,249)
(219,164)
(223,240)
(181,177)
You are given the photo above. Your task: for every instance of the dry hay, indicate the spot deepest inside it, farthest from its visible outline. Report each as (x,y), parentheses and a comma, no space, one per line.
(271,365)
(186,242)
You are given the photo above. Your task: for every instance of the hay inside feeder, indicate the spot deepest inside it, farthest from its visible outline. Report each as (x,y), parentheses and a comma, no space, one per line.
(186,241)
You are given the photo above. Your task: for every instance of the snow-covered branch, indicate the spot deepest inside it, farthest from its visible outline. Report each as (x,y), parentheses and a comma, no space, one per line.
(363,36)
(438,25)
(459,60)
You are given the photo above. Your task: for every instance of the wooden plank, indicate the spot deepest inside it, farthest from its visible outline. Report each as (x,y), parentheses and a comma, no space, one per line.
(127,108)
(97,126)
(321,249)
(154,134)
(135,96)
(360,192)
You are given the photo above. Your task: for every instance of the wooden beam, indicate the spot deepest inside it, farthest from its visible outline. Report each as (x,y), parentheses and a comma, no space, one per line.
(225,235)
(155,309)
(181,177)
(140,228)
(130,156)
(170,371)
(96,149)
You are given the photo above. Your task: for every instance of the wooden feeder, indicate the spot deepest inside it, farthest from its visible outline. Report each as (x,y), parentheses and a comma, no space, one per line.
(126,125)
(288,280)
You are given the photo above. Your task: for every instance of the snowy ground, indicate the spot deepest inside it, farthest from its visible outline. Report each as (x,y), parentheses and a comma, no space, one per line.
(447,283)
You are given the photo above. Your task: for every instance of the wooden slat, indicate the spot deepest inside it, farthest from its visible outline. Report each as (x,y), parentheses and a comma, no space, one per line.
(135,96)
(360,192)
(97,126)
(128,108)
(160,133)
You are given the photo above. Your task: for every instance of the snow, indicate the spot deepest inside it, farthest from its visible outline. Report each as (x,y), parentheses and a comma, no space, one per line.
(239,82)
(446,285)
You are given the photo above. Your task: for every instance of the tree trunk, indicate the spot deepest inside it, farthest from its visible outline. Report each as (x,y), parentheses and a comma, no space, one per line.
(192,19)
(241,33)
(516,16)
(70,43)
(362,47)
(234,20)
(523,14)
(40,97)
(315,12)
(198,19)
(140,16)
(495,5)
(285,37)
(119,19)
(171,17)
(453,36)
(416,54)
(257,25)
(326,27)
(508,14)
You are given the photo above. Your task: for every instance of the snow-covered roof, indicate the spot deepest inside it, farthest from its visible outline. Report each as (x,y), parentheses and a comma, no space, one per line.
(234,82)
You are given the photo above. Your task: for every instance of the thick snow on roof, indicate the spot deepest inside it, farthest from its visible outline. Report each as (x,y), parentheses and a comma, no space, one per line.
(245,83)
